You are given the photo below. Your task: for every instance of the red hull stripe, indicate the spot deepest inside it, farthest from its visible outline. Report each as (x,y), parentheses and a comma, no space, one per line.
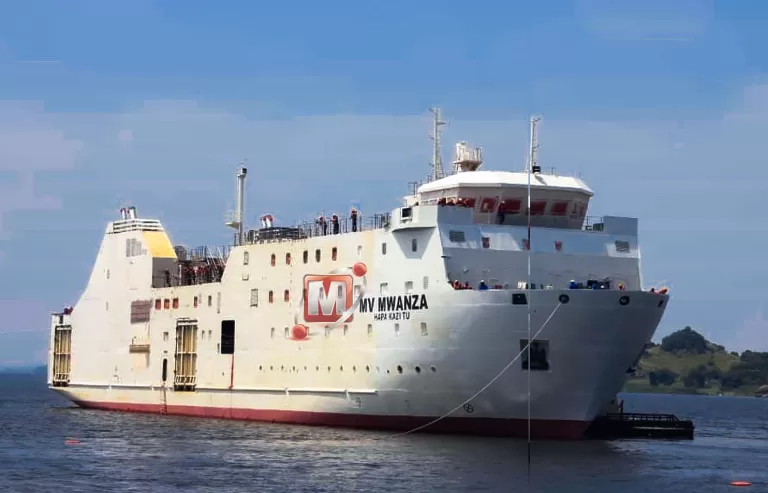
(547,429)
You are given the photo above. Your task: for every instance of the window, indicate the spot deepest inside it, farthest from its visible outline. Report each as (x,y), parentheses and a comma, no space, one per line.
(426,282)
(285,332)
(539,355)
(272,333)
(246,258)
(346,329)
(456,236)
(359,250)
(383,288)
(370,330)
(486,242)
(167,304)
(165,336)
(195,301)
(271,297)
(519,299)
(255,297)
(424,329)
(287,296)
(383,248)
(621,246)
(317,255)
(408,287)
(357,291)
(158,304)
(334,253)
(210,300)
(288,258)
(306,256)
(272,260)
(175,303)
(227,337)
(397,329)
(414,245)
(218,302)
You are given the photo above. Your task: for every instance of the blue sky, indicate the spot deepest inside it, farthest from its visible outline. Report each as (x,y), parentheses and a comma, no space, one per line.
(661,106)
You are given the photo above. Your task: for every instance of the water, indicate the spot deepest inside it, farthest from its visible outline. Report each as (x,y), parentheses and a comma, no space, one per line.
(133,452)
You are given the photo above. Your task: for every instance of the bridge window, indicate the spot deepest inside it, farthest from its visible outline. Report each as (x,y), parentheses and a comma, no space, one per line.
(306,256)
(287,296)
(288,258)
(414,245)
(255,297)
(158,304)
(272,260)
(559,208)
(317,255)
(538,207)
(166,304)
(510,206)
(539,355)
(227,337)
(621,246)
(486,242)
(246,258)
(271,297)
(334,253)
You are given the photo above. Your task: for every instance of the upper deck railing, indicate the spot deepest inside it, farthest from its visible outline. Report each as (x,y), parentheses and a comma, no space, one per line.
(310,229)
(126,225)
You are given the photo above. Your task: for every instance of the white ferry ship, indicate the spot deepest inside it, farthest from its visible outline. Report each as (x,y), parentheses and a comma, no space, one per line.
(381,321)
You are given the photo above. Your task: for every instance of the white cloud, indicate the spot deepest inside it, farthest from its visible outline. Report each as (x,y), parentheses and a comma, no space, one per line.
(29,144)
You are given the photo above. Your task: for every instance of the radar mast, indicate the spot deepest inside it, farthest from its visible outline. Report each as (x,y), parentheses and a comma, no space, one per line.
(437,161)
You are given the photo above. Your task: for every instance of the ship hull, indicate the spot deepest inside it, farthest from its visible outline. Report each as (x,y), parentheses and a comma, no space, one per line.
(491,427)
(469,377)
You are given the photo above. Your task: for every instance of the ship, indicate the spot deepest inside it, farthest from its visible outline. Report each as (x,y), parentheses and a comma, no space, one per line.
(487,303)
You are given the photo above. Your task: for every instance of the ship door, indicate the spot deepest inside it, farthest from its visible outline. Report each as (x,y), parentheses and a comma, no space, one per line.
(165,369)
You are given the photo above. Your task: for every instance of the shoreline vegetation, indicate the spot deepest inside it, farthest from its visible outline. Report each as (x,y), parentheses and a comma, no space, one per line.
(685,362)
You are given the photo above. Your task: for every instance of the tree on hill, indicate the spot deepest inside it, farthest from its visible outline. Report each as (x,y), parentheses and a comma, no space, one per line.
(685,340)
(662,377)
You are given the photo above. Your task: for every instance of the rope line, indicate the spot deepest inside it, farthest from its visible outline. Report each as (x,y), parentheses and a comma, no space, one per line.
(485,386)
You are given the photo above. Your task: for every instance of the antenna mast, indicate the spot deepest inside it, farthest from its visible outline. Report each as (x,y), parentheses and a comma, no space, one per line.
(437,162)
(533,155)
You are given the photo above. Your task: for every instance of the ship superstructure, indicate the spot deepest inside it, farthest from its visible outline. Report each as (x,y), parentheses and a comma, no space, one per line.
(366,320)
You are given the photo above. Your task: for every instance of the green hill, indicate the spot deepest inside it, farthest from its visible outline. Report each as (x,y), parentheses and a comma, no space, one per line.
(686,362)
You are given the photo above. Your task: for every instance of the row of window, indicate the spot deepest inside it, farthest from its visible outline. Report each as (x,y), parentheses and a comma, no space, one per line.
(318,255)
(167,303)
(368,369)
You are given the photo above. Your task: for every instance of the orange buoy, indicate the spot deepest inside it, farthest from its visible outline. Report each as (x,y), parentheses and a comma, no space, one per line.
(741,483)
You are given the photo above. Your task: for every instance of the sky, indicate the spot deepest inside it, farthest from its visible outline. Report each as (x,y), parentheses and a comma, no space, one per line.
(661,107)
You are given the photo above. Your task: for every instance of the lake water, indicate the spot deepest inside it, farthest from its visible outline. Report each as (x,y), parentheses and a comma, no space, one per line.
(133,452)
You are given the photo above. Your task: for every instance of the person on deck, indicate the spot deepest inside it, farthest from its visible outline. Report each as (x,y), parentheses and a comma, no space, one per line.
(482,286)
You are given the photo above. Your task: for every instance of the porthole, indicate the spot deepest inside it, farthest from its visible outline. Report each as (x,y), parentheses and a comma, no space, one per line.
(433,369)
(418,369)
(354,368)
(564,298)
(399,369)
(367,368)
(624,301)
(661,303)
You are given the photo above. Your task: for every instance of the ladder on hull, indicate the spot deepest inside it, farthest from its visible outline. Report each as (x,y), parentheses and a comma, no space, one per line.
(164,400)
